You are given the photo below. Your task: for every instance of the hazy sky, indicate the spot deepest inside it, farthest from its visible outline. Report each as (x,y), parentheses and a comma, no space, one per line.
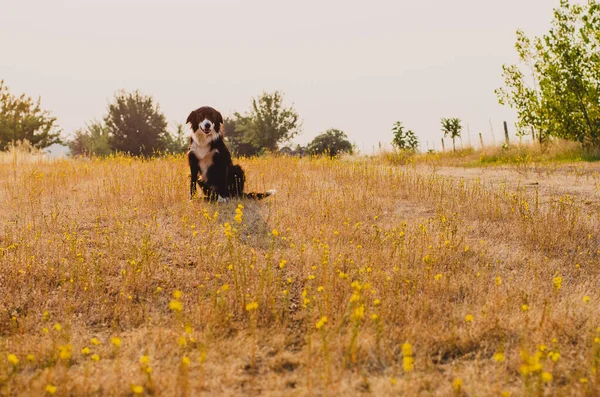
(354,65)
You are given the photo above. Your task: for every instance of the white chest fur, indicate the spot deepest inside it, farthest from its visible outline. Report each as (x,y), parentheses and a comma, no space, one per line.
(201,147)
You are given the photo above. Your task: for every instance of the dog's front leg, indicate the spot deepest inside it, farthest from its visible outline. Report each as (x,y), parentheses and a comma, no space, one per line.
(194,168)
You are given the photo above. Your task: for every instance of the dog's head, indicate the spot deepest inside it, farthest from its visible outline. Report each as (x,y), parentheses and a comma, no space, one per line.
(206,120)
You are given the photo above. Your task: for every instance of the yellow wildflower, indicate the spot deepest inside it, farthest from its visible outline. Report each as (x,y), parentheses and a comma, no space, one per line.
(457,384)
(469,318)
(50,389)
(251,306)
(359,313)
(64,352)
(115,341)
(136,389)
(321,322)
(407,350)
(13,359)
(558,282)
(176,306)
(408,363)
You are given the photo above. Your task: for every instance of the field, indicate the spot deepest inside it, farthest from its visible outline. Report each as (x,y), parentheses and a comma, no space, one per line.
(359,277)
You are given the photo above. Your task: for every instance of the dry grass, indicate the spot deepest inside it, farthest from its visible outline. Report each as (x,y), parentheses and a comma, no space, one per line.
(430,284)
(521,155)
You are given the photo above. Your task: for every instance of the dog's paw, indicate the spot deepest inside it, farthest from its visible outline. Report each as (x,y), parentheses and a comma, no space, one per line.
(222,199)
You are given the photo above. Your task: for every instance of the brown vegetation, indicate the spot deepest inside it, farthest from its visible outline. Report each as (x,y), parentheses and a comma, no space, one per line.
(357,277)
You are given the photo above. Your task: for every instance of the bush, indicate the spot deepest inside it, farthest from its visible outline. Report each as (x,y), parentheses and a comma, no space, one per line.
(331,142)
(93,139)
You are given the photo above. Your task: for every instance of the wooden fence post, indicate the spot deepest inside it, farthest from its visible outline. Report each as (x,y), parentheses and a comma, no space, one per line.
(506,133)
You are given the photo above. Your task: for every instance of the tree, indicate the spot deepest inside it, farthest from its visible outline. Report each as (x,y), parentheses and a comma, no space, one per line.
(21,118)
(269,122)
(332,142)
(93,139)
(404,140)
(237,142)
(453,128)
(178,142)
(136,125)
(564,67)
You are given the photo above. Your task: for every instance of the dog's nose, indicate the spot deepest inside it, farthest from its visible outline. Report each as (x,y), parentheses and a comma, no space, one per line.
(206,126)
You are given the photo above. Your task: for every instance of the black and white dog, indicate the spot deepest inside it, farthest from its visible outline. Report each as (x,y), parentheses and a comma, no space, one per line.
(209,156)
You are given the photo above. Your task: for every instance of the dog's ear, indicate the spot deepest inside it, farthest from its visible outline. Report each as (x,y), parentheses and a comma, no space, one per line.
(219,122)
(193,120)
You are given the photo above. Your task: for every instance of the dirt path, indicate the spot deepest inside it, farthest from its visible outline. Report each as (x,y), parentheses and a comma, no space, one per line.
(580,181)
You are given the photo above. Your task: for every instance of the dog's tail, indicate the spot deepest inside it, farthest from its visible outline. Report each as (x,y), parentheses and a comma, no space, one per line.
(259,196)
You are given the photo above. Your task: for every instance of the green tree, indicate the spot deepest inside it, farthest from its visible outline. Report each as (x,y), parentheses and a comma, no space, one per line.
(331,142)
(453,128)
(177,142)
(563,66)
(136,125)
(238,143)
(404,139)
(92,139)
(22,118)
(269,122)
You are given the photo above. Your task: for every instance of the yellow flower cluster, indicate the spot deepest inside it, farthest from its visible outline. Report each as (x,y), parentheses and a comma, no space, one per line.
(408,361)
(238,213)
(321,323)
(175,304)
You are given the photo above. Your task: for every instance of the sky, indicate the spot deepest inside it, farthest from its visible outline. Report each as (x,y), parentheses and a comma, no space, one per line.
(353,65)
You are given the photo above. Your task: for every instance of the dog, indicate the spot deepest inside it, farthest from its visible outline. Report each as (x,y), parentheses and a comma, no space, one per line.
(209,156)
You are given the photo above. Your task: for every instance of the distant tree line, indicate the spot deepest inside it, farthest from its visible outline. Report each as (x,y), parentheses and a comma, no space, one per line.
(134,124)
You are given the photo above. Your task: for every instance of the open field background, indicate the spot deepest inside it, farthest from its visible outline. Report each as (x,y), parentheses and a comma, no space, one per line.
(358,277)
